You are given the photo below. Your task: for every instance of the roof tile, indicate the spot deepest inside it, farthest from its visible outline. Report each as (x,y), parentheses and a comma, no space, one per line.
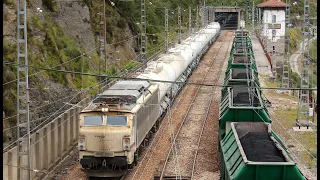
(273,3)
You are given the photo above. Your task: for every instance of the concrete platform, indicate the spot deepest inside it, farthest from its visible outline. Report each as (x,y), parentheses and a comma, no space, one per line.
(262,62)
(302,129)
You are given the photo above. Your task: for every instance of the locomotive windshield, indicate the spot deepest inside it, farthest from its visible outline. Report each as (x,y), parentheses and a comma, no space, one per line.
(92,120)
(117,120)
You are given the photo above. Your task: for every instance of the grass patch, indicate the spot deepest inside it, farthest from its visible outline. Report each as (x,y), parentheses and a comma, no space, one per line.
(272,84)
(130,65)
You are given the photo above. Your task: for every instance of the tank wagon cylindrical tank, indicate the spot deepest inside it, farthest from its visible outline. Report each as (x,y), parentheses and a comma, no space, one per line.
(116,124)
(251,150)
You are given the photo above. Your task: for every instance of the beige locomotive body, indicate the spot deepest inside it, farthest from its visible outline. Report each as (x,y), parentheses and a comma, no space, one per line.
(110,134)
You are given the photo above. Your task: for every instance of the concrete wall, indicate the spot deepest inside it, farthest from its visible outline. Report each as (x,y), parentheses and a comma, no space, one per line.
(49,145)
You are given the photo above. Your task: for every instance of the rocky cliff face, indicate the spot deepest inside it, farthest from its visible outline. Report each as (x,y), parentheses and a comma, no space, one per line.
(61,36)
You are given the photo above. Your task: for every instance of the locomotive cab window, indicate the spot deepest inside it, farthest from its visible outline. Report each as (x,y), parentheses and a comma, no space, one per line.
(117,120)
(93,121)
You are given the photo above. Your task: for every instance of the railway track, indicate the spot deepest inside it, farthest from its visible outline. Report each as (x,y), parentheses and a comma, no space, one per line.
(151,158)
(187,118)
(188,144)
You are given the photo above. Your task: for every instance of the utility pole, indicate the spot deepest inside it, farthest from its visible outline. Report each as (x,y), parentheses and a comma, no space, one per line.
(285,65)
(143,49)
(267,32)
(252,17)
(190,26)
(197,18)
(23,121)
(166,28)
(204,15)
(304,94)
(102,37)
(179,24)
(210,14)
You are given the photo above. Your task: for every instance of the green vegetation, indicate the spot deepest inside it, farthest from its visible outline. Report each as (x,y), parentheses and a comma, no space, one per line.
(295,38)
(313,50)
(50,4)
(287,118)
(130,65)
(314,62)
(10,2)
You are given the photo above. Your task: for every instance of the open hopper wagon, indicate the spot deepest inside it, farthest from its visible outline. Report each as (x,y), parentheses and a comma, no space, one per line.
(241,104)
(252,151)
(240,77)
(242,60)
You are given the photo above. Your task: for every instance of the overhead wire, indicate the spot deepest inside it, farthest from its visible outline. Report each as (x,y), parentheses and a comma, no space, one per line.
(55,113)
(59,99)
(34,112)
(256,95)
(38,119)
(83,90)
(151,80)
(47,133)
(33,144)
(83,54)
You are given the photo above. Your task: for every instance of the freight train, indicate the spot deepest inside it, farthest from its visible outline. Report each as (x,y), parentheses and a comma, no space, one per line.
(118,121)
(248,147)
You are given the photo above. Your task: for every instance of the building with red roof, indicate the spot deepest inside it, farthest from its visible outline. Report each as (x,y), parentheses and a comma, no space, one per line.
(272,15)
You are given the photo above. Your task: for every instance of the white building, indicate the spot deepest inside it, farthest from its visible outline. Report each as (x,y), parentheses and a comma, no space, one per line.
(273,16)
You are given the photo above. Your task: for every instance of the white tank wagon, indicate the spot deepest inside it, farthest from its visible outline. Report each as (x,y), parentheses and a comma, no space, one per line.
(114,126)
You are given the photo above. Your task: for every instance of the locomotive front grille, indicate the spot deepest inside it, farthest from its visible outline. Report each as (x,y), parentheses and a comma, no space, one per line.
(104,154)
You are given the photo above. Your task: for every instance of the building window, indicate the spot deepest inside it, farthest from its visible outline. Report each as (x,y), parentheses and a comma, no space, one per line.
(273,49)
(273,18)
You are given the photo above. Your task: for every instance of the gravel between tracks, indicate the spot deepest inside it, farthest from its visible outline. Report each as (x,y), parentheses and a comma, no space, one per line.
(188,137)
(153,161)
(207,163)
(152,157)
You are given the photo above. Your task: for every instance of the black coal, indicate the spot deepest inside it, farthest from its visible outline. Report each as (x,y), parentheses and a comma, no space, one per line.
(259,147)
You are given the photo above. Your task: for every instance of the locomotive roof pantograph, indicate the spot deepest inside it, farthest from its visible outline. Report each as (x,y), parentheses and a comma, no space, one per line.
(123,95)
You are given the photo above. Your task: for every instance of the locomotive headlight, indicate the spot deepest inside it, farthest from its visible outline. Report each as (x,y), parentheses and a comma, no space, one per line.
(126,144)
(81,142)
(81,147)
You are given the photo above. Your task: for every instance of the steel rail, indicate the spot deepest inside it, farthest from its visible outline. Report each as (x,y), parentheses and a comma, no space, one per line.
(185,117)
(207,113)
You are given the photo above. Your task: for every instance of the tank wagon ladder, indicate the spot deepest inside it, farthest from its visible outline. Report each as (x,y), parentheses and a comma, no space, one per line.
(162,176)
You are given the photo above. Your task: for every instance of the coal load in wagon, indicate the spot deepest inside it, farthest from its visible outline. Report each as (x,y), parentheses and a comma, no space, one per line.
(241,74)
(241,59)
(260,148)
(241,50)
(246,99)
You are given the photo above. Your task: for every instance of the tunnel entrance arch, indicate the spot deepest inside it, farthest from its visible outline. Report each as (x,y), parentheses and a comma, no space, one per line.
(230,18)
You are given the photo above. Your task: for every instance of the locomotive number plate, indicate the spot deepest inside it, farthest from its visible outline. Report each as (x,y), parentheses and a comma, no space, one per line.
(104,154)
